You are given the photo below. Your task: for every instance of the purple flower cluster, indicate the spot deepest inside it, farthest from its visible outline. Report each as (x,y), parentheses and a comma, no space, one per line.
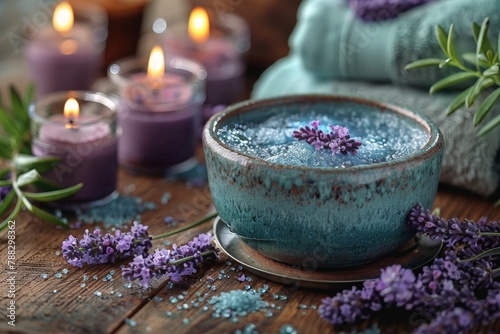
(176,263)
(95,248)
(4,191)
(456,294)
(337,140)
(382,10)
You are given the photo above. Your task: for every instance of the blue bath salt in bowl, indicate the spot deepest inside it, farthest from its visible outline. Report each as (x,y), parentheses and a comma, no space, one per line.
(385,137)
(314,209)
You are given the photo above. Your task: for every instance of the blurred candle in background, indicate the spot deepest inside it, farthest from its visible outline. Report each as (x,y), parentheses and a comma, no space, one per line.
(68,54)
(218,46)
(160,105)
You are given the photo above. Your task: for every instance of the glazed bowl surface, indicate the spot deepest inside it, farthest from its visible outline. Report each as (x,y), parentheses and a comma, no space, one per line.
(316,216)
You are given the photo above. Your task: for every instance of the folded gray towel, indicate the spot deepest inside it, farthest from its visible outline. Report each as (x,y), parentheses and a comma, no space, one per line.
(469,162)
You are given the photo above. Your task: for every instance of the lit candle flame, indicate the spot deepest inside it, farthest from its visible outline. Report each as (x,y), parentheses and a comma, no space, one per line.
(71,113)
(156,65)
(198,26)
(63,17)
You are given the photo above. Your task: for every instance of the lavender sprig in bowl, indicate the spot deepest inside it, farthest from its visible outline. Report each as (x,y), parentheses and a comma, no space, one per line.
(311,208)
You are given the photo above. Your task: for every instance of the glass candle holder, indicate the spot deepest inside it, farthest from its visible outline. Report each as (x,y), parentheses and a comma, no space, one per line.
(222,54)
(85,141)
(72,59)
(160,119)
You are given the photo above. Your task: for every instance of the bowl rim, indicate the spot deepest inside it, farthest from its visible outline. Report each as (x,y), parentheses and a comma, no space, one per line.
(433,146)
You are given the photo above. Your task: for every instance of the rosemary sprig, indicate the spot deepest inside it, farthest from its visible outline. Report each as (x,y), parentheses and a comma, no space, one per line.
(483,66)
(21,170)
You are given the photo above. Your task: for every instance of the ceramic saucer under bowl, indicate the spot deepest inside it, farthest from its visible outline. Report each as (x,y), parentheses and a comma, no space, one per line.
(413,255)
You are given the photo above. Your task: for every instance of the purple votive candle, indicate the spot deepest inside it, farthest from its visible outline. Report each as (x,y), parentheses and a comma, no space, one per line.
(80,128)
(159,114)
(219,47)
(68,54)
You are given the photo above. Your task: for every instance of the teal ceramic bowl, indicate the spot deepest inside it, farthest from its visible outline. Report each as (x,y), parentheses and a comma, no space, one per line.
(320,217)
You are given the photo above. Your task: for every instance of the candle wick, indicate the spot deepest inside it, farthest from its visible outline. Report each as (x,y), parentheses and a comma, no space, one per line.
(71,124)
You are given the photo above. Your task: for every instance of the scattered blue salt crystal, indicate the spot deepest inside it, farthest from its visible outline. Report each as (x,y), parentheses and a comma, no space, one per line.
(287,329)
(303,306)
(276,296)
(57,275)
(185,321)
(248,329)
(239,267)
(130,188)
(185,293)
(128,285)
(313,307)
(166,243)
(104,279)
(158,299)
(57,253)
(228,263)
(44,276)
(112,272)
(168,314)
(119,295)
(130,322)
(247,287)
(98,293)
(213,288)
(185,306)
(283,297)
(205,308)
(165,198)
(82,285)
(173,300)
(65,271)
(269,314)
(180,297)
(85,278)
(95,277)
(118,213)
(248,279)
(58,213)
(55,291)
(237,303)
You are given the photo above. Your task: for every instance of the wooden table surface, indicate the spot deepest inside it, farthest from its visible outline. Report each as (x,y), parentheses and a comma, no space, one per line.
(74,309)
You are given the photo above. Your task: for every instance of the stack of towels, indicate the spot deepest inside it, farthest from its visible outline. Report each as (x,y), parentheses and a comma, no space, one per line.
(360,48)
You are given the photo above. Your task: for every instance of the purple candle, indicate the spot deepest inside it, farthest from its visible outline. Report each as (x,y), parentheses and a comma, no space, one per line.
(159,113)
(84,138)
(67,55)
(217,52)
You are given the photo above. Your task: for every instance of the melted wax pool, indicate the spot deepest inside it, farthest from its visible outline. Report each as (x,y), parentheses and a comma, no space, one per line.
(385,136)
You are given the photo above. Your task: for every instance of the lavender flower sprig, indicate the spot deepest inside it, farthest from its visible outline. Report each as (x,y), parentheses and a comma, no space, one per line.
(337,140)
(94,248)
(454,293)
(176,263)
(381,10)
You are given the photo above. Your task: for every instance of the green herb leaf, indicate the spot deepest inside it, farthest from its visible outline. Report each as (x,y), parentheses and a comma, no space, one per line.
(28,178)
(481,84)
(5,151)
(449,46)
(457,102)
(53,195)
(451,80)
(47,216)
(9,124)
(12,215)
(483,44)
(493,70)
(4,183)
(18,106)
(5,203)
(424,63)
(486,106)
(470,58)
(489,126)
(441,37)
(46,185)
(445,63)
(27,162)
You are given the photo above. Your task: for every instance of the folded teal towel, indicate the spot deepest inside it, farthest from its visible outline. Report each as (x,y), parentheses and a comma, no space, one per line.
(469,162)
(333,43)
